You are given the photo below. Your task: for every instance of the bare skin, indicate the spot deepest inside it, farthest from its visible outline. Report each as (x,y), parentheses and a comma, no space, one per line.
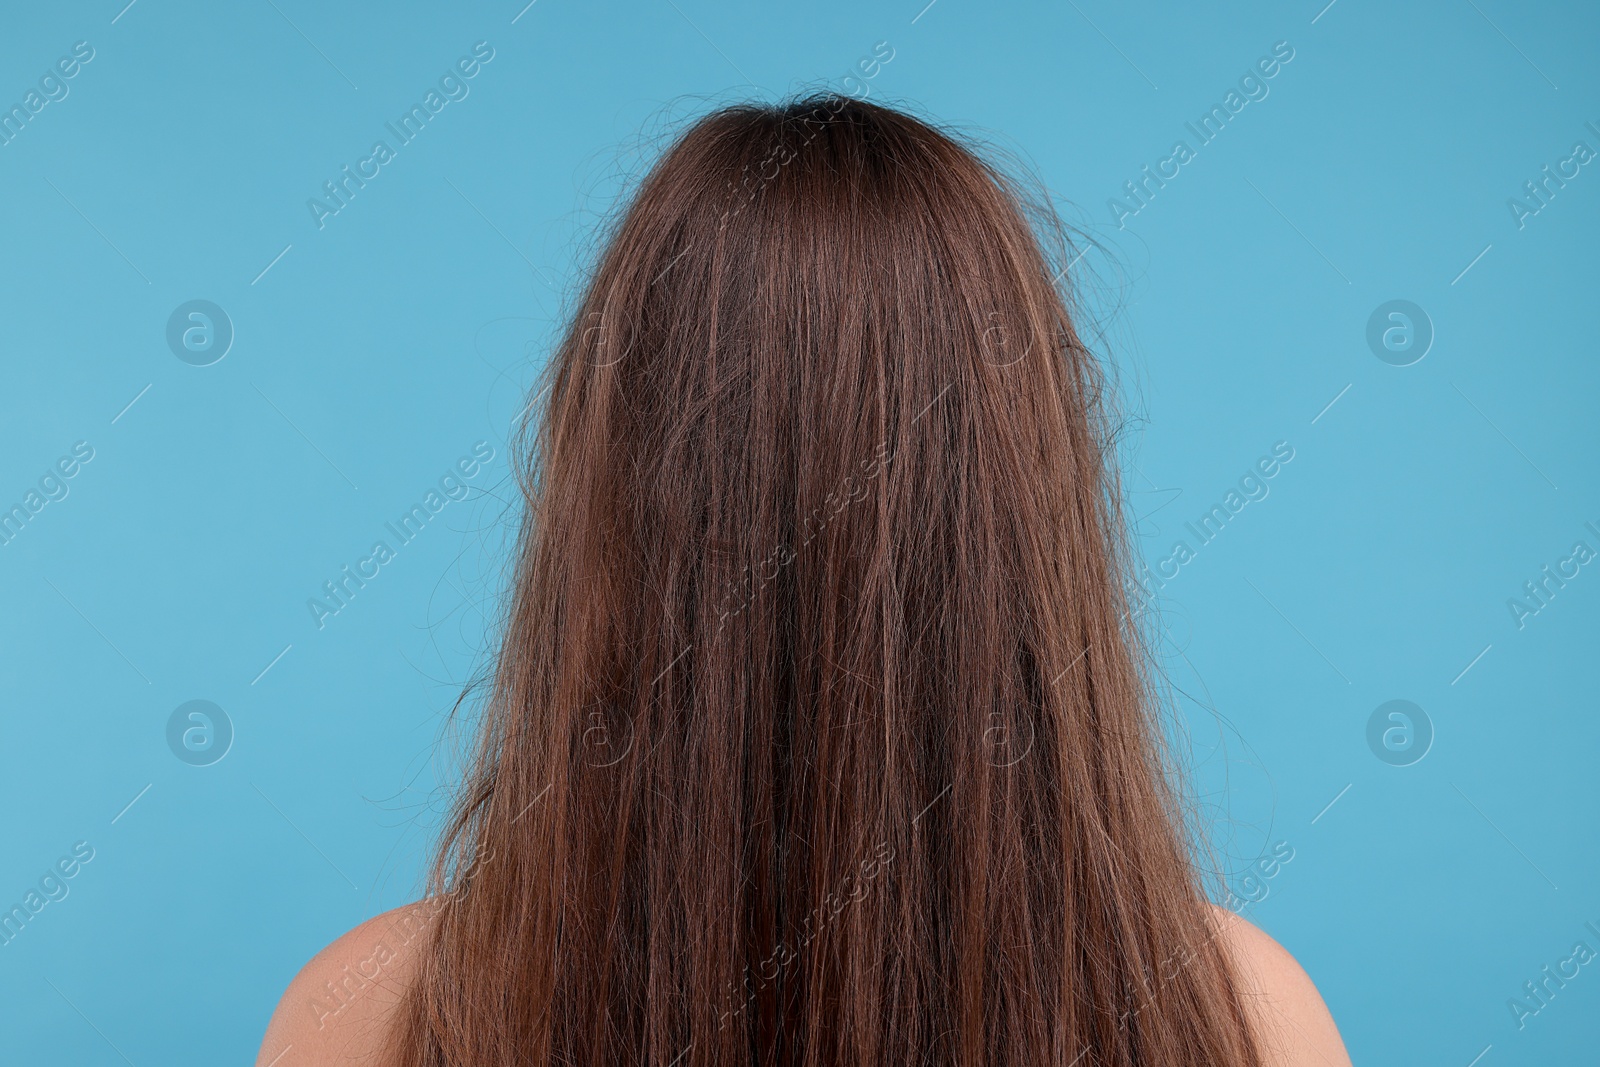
(1290,1022)
(338,1009)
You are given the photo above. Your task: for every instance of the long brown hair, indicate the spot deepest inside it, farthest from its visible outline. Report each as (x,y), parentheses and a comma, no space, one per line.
(820,733)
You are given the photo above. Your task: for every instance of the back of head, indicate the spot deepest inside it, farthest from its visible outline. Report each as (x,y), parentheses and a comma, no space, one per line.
(819,733)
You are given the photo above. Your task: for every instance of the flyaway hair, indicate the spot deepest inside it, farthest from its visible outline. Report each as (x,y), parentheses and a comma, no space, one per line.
(820,733)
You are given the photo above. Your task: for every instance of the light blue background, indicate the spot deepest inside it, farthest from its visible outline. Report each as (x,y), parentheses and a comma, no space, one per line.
(378,349)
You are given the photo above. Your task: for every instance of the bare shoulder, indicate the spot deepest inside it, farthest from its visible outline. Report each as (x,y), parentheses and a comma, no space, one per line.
(338,1010)
(1292,1024)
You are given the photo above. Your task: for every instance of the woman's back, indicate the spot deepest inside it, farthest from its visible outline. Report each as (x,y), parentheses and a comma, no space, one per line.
(820,732)
(342,1010)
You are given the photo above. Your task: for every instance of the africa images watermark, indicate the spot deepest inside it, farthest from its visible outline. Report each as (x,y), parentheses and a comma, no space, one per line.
(867,67)
(811,925)
(452,485)
(755,179)
(1252,486)
(52,88)
(336,996)
(1538,993)
(452,87)
(1252,887)
(52,887)
(1552,578)
(1539,193)
(1252,87)
(52,486)
(754,579)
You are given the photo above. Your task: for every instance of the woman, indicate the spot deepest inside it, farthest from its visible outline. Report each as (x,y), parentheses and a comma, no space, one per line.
(820,733)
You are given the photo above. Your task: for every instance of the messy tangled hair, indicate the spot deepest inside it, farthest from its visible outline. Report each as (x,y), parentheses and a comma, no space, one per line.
(819,733)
